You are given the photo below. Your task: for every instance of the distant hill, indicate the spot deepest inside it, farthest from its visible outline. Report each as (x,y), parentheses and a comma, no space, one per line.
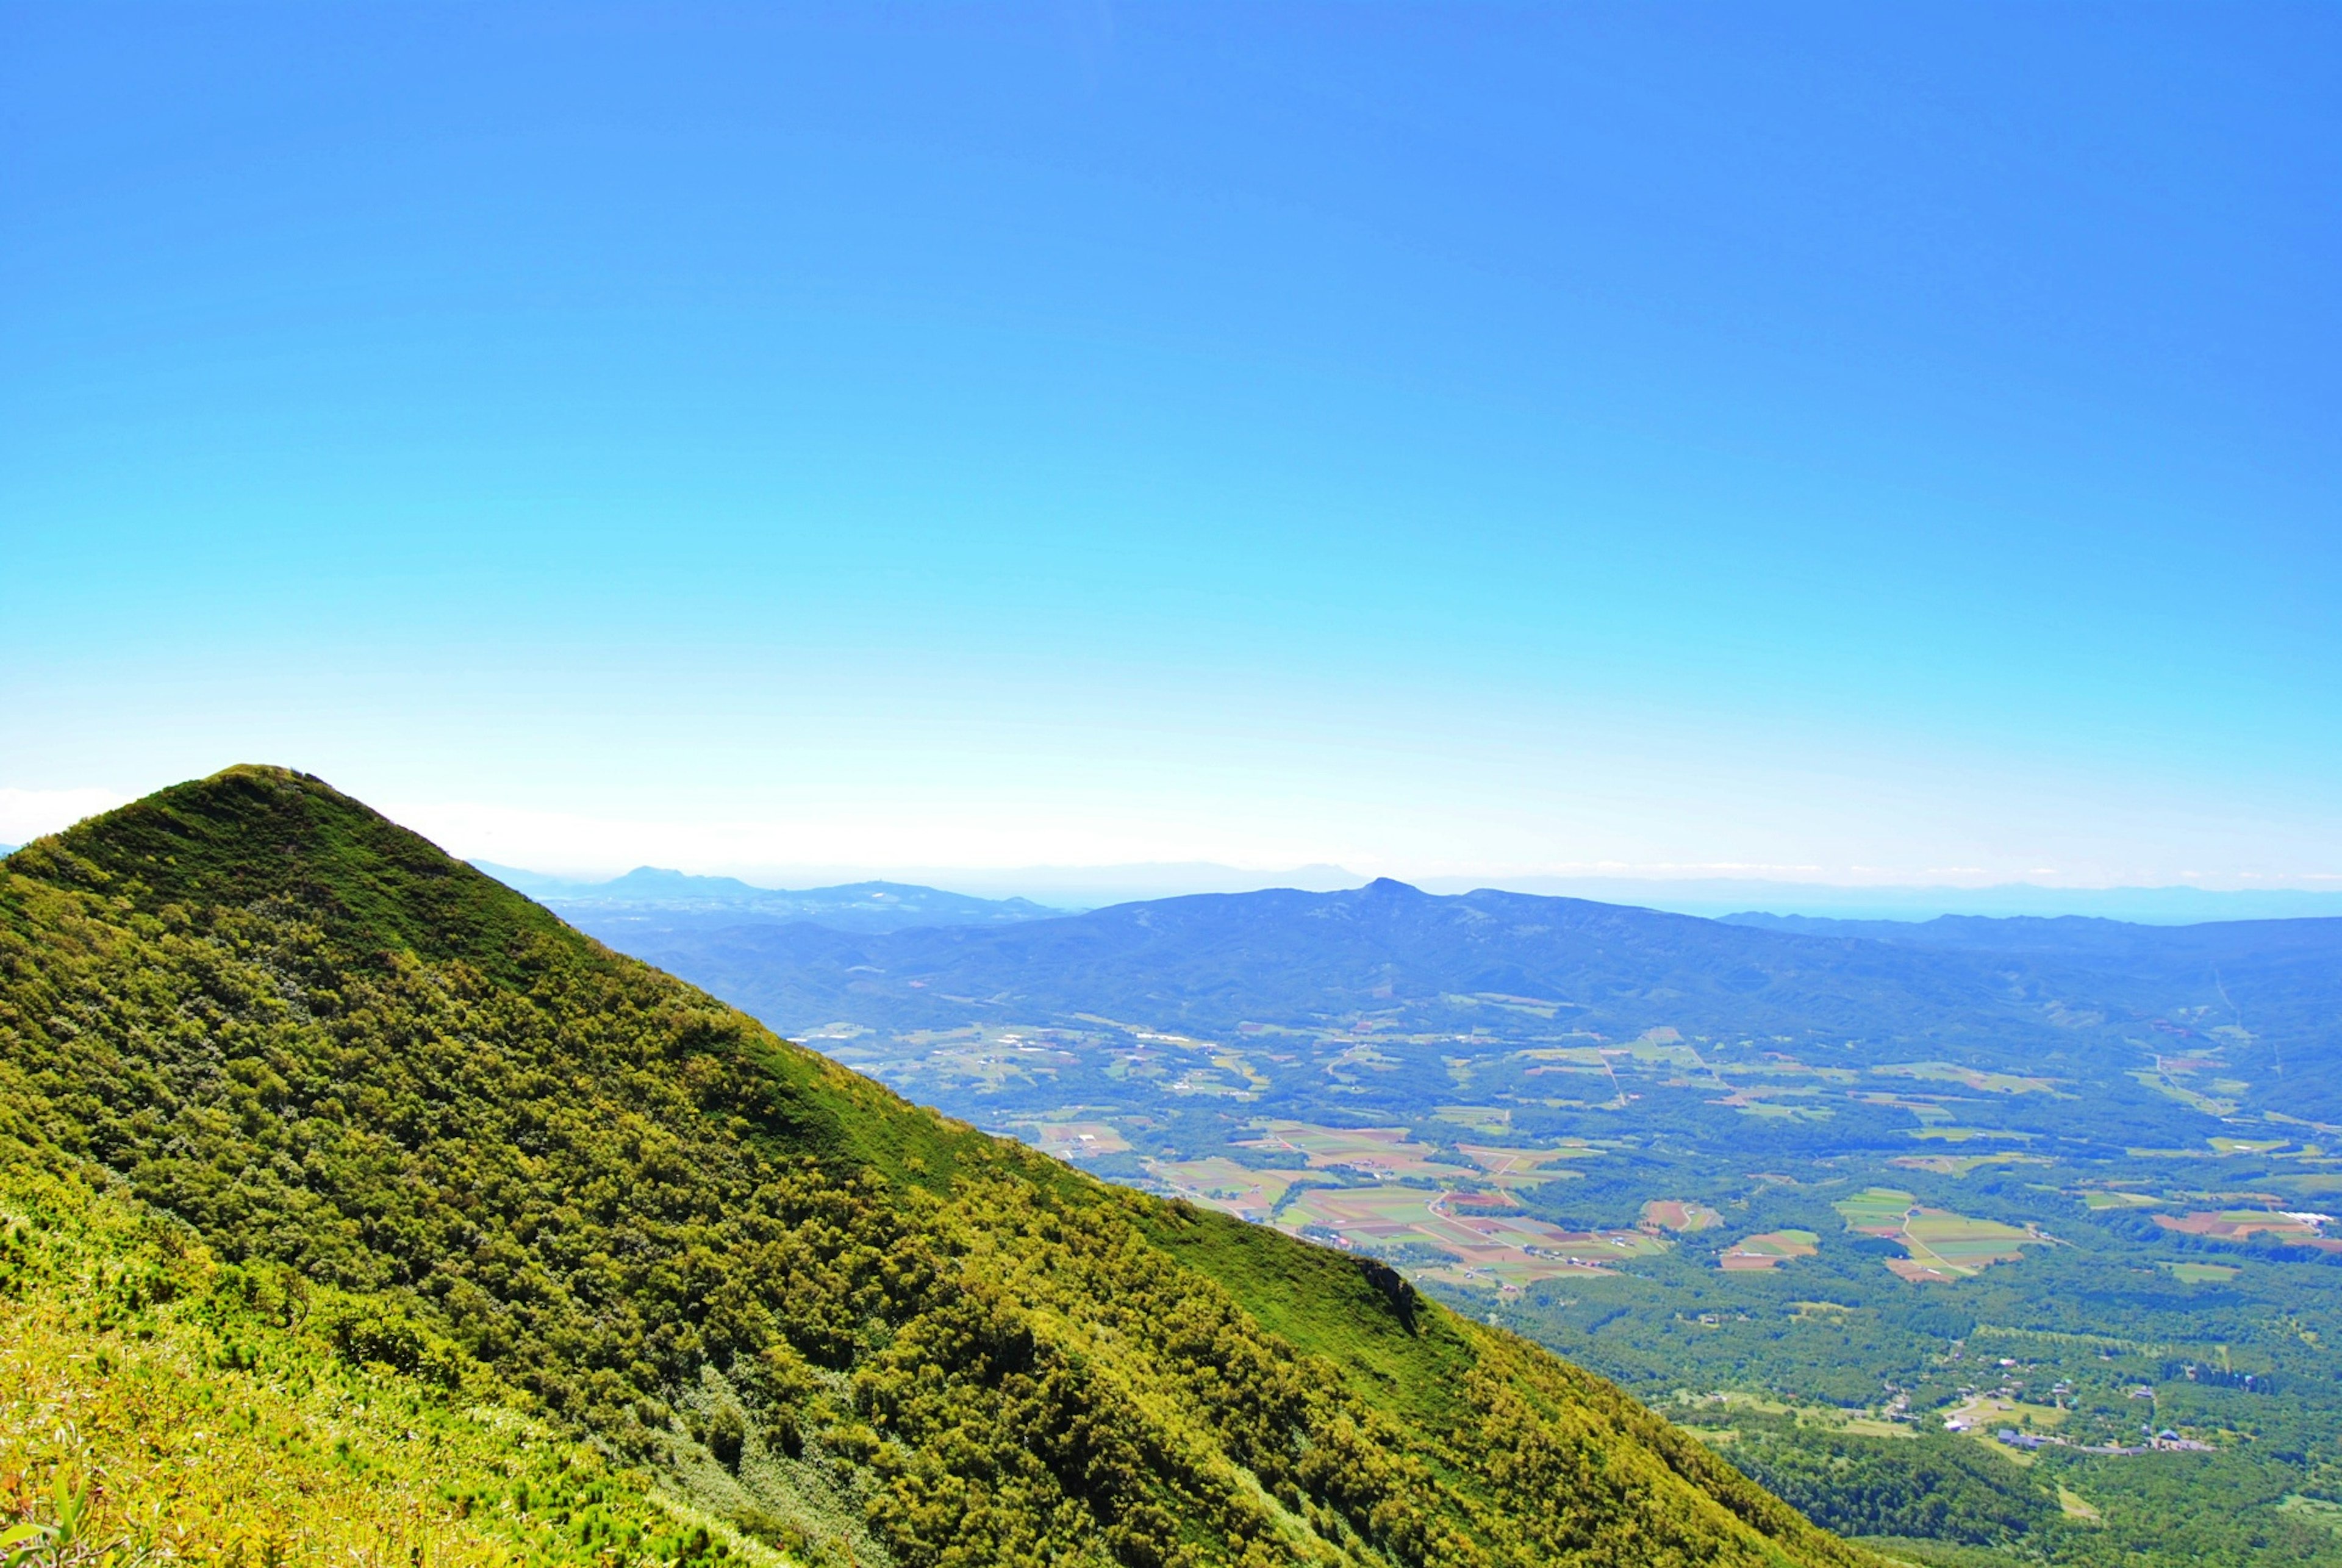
(426,1125)
(2076,937)
(648,899)
(1720,897)
(1994,993)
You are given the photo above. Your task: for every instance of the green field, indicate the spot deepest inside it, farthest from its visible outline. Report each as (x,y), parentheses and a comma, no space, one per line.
(1527,1167)
(1963,1164)
(1075,1139)
(1939,1246)
(1676,1214)
(2098,1200)
(1975,1078)
(1769,1249)
(1368,1151)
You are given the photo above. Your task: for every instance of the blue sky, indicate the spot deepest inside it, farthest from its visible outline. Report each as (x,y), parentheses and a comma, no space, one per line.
(1833,442)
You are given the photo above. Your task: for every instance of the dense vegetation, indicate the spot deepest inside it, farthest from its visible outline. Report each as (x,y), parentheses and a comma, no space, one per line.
(504,1157)
(1934,1488)
(2089,1340)
(156,1404)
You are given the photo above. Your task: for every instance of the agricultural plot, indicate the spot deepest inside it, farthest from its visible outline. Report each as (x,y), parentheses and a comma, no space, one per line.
(1974,1078)
(1674,1214)
(2168,1082)
(1939,1246)
(2098,1200)
(1961,1165)
(1527,1167)
(974,1060)
(1876,1211)
(1221,1184)
(1929,1113)
(2299,1227)
(1383,1152)
(1489,1121)
(1464,1238)
(1754,1255)
(1771,1099)
(1074,1140)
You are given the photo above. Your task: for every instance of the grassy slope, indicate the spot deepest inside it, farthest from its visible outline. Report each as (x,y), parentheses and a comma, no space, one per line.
(325,1044)
(167,1407)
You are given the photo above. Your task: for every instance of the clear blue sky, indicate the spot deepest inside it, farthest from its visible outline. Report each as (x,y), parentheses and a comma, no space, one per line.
(1855,441)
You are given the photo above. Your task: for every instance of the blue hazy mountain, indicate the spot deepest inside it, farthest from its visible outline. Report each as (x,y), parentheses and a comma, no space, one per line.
(1721,897)
(648,899)
(2074,997)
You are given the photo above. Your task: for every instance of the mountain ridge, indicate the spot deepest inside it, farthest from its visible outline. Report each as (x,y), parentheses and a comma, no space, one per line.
(789,1294)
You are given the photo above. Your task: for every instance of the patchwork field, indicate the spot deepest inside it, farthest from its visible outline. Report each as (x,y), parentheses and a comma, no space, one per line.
(1982,1081)
(1224,1184)
(1492,1121)
(1075,1140)
(1753,1254)
(1380,1151)
(1674,1214)
(1961,1165)
(1527,1167)
(2098,1200)
(1939,1246)
(1464,1237)
(2302,1228)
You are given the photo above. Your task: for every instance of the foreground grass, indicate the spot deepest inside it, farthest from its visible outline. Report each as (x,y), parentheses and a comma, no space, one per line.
(158,1406)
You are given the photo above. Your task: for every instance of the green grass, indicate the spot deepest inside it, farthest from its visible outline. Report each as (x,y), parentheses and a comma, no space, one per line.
(2202,1274)
(171,1407)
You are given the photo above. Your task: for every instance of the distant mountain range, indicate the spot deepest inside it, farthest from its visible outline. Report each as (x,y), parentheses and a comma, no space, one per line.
(1721,896)
(1391,956)
(984,897)
(648,899)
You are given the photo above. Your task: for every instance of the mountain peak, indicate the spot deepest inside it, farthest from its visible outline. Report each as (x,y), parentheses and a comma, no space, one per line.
(254,833)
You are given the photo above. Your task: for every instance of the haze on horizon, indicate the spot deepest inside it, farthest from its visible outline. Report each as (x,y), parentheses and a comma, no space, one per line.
(1824,444)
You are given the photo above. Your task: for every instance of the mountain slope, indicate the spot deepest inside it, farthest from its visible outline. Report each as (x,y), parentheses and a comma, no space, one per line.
(851,1327)
(208,1416)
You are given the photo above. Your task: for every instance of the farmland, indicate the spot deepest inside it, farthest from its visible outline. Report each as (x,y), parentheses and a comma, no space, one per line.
(1676,1214)
(1769,1249)
(2303,1227)
(1830,1217)
(1939,1246)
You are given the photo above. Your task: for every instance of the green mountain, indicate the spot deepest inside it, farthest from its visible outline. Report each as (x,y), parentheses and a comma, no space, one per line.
(489,1165)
